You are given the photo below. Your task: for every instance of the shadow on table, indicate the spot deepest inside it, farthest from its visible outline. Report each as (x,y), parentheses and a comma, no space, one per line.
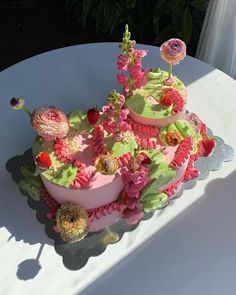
(194,266)
(29,268)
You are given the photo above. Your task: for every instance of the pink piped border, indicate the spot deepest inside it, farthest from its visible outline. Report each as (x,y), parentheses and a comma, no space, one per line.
(183,153)
(149,130)
(98,144)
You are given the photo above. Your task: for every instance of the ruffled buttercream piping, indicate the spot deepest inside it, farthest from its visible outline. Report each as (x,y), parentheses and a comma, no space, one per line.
(62,151)
(173,188)
(98,144)
(149,130)
(124,160)
(183,153)
(191,172)
(178,105)
(105,210)
(147,143)
(50,202)
(82,180)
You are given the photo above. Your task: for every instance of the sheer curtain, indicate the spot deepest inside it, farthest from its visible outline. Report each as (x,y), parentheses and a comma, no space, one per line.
(217,43)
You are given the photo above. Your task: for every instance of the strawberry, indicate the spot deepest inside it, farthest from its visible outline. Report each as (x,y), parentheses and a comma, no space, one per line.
(166,100)
(93,116)
(43,160)
(208,146)
(144,159)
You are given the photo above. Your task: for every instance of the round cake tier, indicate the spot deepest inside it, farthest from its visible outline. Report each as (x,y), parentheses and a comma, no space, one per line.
(105,189)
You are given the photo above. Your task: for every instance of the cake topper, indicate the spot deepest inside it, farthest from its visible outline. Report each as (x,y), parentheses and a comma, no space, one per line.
(172,52)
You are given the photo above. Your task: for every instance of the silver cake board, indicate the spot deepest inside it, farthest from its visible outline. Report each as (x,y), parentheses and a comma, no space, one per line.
(75,255)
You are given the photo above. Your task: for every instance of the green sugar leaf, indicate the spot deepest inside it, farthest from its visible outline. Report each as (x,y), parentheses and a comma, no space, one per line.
(155,155)
(161,169)
(155,201)
(31,186)
(65,175)
(119,148)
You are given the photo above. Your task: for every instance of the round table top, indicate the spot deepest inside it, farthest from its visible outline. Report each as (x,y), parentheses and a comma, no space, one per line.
(188,253)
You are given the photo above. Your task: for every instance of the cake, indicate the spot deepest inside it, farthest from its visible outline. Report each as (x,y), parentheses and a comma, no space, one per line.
(95,167)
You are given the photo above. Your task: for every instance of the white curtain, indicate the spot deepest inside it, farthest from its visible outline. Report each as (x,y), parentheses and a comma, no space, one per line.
(217,43)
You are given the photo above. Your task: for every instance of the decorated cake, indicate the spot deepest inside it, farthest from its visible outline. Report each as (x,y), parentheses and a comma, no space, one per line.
(94,167)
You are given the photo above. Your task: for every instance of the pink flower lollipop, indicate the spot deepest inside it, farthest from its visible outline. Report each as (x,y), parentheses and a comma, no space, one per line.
(172,52)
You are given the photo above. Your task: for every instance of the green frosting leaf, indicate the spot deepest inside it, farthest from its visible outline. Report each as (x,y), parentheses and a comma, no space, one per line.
(119,148)
(161,169)
(155,155)
(78,120)
(182,126)
(155,201)
(31,182)
(30,188)
(63,177)
(156,184)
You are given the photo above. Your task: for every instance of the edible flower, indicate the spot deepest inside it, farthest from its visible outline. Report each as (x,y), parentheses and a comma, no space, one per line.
(18,103)
(50,123)
(173,138)
(106,164)
(172,52)
(72,222)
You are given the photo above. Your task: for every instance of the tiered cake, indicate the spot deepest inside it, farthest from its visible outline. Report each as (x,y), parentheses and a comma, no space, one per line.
(96,167)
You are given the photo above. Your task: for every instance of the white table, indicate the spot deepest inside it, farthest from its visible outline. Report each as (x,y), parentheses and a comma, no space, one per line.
(194,254)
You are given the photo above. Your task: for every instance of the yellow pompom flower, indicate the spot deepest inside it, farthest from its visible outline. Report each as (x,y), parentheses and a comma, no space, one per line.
(72,222)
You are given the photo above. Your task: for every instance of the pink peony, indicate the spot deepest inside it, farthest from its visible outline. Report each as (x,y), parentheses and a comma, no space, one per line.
(122,62)
(173,51)
(50,123)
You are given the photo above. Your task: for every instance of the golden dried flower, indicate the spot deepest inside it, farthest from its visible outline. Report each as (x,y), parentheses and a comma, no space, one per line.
(173,138)
(106,164)
(72,222)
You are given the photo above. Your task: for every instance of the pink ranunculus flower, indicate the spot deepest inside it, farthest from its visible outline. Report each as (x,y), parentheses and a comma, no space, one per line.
(138,54)
(122,62)
(173,51)
(50,123)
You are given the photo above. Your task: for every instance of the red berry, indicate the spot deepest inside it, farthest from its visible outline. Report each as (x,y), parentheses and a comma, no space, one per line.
(144,159)
(93,116)
(208,146)
(43,160)
(166,100)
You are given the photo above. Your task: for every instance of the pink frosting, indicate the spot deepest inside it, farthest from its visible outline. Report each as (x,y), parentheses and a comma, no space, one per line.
(108,220)
(150,130)
(183,153)
(163,122)
(105,210)
(98,141)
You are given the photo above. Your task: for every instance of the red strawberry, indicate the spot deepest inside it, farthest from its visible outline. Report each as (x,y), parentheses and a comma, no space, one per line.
(144,159)
(166,100)
(43,160)
(93,116)
(208,146)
